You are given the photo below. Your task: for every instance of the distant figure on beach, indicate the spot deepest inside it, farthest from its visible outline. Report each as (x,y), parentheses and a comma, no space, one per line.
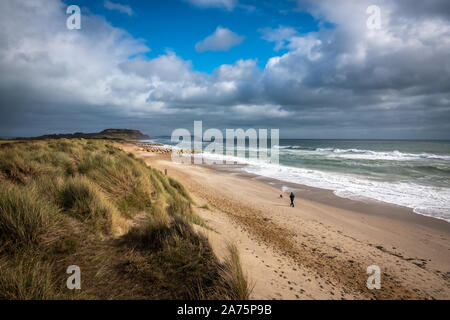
(281,196)
(292,199)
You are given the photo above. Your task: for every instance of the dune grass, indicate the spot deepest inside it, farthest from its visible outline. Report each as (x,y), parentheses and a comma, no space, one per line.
(81,198)
(205,206)
(235,284)
(128,227)
(24,217)
(26,276)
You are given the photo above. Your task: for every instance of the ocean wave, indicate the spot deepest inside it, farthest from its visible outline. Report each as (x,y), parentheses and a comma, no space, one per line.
(423,199)
(362,154)
(426,200)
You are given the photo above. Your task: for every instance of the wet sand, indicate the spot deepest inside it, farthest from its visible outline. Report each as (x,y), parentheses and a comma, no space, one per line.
(366,206)
(321,248)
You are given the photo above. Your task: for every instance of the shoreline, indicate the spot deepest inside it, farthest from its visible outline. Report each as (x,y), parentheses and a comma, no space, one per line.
(321,248)
(322,195)
(329,198)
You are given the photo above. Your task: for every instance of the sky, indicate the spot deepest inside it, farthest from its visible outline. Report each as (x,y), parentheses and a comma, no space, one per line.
(312,69)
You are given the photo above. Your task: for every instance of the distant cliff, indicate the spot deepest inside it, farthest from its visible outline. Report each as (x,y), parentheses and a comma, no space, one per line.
(114,134)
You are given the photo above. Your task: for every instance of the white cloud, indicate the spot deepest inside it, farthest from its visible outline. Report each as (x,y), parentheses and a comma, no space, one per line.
(279,35)
(118,7)
(241,70)
(227,85)
(221,40)
(350,56)
(167,67)
(341,77)
(268,111)
(225,4)
(64,66)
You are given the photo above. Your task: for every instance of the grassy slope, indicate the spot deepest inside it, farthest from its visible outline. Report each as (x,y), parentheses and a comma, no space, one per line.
(128,227)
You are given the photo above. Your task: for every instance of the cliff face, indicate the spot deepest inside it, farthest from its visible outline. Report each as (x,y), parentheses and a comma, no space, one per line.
(128,133)
(114,134)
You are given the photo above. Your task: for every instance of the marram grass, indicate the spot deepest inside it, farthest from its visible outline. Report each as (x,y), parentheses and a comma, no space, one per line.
(129,228)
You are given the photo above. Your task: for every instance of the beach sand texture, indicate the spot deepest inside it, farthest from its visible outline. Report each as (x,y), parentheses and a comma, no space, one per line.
(316,250)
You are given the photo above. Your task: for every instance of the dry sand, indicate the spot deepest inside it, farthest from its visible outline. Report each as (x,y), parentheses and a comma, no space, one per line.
(321,248)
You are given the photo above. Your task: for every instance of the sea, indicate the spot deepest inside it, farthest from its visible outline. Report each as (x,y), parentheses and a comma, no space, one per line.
(414,174)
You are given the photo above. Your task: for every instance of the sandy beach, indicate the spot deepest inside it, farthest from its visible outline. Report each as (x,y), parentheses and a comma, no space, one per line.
(321,248)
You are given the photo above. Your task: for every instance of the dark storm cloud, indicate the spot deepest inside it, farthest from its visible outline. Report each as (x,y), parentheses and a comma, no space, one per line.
(346,81)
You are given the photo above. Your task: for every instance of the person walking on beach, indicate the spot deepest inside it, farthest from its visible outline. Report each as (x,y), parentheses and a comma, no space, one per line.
(292,199)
